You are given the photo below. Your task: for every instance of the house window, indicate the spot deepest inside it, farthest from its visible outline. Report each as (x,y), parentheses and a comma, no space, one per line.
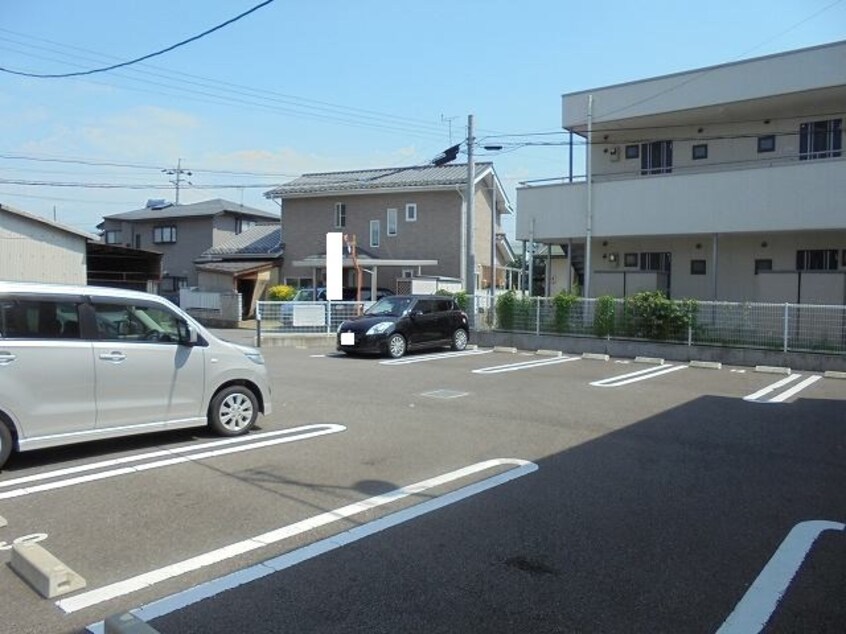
(411,212)
(766,143)
(137,240)
(242,225)
(763,265)
(632,151)
(111,237)
(656,157)
(700,151)
(163,235)
(406,273)
(172,284)
(391,229)
(340,215)
(697,267)
(375,233)
(655,261)
(816,260)
(820,139)
(630,260)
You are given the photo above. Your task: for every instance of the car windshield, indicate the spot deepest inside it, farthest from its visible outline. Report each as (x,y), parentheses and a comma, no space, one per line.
(393,306)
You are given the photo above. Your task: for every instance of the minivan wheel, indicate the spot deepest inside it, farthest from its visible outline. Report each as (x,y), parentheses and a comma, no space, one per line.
(459,339)
(396,345)
(233,411)
(5,443)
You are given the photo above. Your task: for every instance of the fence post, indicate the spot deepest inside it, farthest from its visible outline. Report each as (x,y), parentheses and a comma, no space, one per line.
(537,318)
(689,335)
(328,317)
(258,324)
(786,317)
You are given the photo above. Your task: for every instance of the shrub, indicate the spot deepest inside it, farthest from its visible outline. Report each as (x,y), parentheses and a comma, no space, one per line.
(280,293)
(505,310)
(651,315)
(605,316)
(563,303)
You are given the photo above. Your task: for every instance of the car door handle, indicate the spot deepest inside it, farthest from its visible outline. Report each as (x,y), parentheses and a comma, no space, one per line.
(6,358)
(114,357)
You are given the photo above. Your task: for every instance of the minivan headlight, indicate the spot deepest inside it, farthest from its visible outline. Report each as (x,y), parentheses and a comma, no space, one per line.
(255,357)
(381,328)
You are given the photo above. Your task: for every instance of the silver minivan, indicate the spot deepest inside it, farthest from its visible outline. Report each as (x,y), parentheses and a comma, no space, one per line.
(80,363)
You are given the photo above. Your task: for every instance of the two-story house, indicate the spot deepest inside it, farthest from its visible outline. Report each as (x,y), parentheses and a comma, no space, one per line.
(182,233)
(405,222)
(725,183)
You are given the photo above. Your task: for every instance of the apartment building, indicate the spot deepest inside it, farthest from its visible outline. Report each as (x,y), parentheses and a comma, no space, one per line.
(721,183)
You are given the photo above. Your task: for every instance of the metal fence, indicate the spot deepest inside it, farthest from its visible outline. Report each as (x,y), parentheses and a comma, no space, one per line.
(306,317)
(786,327)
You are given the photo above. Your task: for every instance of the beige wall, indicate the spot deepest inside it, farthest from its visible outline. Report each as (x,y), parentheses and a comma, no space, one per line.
(37,252)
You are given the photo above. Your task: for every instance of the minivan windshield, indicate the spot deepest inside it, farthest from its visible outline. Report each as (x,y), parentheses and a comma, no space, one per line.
(389,306)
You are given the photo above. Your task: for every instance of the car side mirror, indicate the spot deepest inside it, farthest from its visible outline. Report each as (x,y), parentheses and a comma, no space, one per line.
(414,314)
(187,334)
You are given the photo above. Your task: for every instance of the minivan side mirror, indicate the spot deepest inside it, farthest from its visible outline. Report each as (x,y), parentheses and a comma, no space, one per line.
(187,334)
(414,314)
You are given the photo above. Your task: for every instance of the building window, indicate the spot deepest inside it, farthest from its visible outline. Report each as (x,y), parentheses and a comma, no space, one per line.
(406,273)
(111,237)
(700,151)
(697,267)
(763,265)
(632,151)
(242,225)
(137,240)
(766,143)
(391,226)
(820,139)
(340,215)
(163,235)
(172,284)
(411,212)
(816,260)
(375,233)
(656,157)
(630,260)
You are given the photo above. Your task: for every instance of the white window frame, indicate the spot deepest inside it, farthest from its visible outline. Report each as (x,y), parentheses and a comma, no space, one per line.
(411,212)
(340,215)
(112,236)
(375,233)
(391,223)
(164,234)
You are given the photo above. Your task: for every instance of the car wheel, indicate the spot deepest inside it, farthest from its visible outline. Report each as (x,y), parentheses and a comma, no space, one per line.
(233,411)
(396,345)
(459,339)
(5,443)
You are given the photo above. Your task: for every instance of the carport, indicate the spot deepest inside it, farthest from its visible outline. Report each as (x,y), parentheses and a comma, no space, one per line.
(368,262)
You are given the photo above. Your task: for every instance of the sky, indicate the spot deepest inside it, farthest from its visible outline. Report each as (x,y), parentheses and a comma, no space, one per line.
(301,86)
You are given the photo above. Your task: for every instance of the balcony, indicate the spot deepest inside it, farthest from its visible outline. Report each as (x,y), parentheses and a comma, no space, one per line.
(786,195)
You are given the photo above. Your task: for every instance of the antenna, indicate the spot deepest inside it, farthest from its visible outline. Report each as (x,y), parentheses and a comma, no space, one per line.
(448,121)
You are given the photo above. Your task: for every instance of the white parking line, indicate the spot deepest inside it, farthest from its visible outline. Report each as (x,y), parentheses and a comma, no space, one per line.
(434,357)
(761,599)
(211,588)
(248,443)
(640,375)
(758,397)
(524,365)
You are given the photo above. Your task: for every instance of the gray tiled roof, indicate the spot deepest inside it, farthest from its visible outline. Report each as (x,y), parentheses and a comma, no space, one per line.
(241,266)
(257,240)
(378,179)
(204,208)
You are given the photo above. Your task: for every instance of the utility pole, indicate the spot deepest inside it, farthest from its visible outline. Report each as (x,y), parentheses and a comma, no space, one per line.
(178,172)
(470,200)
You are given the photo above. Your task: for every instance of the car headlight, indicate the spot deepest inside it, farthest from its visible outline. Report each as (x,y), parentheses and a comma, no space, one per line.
(255,357)
(381,328)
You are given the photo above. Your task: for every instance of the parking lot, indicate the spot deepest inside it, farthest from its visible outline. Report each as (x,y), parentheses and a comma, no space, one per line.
(457,492)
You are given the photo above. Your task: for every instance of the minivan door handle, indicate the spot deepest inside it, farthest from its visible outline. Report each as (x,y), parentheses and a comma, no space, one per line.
(114,357)
(6,358)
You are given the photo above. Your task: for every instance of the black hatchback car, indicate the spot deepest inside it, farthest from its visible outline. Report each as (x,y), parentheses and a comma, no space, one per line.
(399,323)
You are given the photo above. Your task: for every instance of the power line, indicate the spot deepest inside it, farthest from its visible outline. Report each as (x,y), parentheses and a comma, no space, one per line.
(144,57)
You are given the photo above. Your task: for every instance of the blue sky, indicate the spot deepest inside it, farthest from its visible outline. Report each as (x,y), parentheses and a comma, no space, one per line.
(301,86)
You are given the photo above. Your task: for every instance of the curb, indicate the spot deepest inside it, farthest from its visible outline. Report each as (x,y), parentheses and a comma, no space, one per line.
(706,365)
(650,360)
(834,374)
(596,356)
(507,349)
(772,369)
(549,353)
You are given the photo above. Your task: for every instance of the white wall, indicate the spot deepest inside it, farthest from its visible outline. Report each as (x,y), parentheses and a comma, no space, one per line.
(37,252)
